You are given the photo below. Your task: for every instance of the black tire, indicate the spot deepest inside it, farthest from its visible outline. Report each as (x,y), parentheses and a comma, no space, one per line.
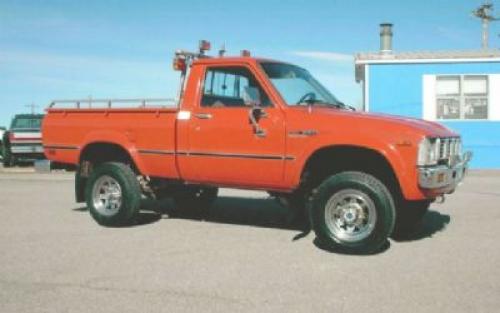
(8,159)
(375,198)
(409,215)
(126,212)
(193,199)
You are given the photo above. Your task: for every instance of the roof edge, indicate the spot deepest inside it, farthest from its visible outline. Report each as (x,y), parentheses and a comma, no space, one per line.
(491,55)
(424,61)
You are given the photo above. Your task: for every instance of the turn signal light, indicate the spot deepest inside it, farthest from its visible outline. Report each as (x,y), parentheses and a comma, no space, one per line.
(204,45)
(179,64)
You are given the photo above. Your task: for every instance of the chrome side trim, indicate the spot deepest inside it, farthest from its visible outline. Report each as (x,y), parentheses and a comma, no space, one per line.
(60,147)
(194,154)
(239,156)
(161,152)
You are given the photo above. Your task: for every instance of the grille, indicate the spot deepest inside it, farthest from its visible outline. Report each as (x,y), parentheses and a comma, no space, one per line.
(449,147)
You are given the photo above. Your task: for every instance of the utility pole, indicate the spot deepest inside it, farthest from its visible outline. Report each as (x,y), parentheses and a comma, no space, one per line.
(32,106)
(484,12)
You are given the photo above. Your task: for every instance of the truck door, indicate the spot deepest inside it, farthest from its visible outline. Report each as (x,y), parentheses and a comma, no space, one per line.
(224,145)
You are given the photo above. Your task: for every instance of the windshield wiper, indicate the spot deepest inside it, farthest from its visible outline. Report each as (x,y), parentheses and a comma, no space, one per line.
(346,106)
(338,105)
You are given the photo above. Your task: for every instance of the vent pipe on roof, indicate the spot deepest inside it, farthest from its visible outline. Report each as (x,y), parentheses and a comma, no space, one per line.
(386,38)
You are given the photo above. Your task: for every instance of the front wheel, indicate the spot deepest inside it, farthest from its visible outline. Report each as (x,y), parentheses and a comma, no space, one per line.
(113,194)
(352,212)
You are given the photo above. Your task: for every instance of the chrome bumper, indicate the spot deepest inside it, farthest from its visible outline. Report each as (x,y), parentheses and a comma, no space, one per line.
(26,149)
(443,176)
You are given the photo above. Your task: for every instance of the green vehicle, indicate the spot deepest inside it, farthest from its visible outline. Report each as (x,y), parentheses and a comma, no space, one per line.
(23,140)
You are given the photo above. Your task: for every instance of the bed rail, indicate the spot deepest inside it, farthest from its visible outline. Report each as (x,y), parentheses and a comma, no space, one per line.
(115,103)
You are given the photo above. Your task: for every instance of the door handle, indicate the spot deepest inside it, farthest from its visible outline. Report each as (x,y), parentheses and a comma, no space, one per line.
(203,116)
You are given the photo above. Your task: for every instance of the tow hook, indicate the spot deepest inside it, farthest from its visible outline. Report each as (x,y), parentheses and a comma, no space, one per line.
(440,199)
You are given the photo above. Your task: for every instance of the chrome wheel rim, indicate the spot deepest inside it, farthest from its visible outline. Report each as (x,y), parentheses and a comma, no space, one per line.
(350,215)
(107,195)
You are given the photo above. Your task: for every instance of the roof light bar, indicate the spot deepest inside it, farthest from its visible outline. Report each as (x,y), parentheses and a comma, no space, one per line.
(204,46)
(245,53)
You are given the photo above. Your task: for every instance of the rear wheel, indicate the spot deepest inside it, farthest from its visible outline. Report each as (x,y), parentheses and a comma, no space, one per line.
(113,194)
(409,215)
(352,212)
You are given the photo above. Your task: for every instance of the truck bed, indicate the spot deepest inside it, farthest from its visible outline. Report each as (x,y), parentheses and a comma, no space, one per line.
(148,134)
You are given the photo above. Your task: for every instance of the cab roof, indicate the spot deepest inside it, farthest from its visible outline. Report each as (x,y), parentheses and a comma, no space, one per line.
(234,59)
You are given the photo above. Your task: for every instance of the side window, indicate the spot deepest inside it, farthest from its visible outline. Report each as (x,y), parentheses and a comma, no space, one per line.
(225,87)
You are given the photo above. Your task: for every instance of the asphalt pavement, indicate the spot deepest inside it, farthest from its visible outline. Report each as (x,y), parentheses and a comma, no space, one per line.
(240,257)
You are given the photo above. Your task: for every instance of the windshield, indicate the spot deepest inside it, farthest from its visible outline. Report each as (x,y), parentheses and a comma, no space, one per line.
(26,123)
(297,86)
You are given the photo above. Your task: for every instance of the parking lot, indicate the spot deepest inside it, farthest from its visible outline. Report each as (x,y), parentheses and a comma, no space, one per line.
(242,257)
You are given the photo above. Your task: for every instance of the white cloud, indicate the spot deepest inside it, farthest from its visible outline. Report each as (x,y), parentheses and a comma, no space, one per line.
(326,56)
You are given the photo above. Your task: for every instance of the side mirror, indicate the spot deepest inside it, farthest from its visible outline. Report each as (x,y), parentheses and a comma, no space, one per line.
(251,96)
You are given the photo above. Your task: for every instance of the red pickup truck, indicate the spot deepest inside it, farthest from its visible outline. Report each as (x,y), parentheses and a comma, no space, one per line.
(259,124)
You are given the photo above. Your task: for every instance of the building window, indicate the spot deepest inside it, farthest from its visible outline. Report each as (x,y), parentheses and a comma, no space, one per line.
(462,97)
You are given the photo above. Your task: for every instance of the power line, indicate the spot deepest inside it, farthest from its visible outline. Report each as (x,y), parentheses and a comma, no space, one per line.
(484,12)
(33,107)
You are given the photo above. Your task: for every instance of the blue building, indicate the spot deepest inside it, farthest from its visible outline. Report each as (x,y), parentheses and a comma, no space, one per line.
(458,89)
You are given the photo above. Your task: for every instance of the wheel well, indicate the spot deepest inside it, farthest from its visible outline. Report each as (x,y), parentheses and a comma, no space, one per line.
(101,152)
(331,160)
(95,154)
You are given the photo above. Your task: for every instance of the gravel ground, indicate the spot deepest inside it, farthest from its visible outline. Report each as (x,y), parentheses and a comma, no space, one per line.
(242,258)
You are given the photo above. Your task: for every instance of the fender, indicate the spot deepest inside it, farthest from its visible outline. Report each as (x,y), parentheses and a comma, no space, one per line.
(397,156)
(118,138)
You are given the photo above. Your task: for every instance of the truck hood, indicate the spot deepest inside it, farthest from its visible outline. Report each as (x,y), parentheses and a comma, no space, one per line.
(391,123)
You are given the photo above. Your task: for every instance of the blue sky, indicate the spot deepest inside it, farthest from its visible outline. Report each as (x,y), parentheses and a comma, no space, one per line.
(75,49)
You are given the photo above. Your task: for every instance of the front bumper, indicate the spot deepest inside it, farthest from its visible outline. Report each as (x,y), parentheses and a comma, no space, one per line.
(442,177)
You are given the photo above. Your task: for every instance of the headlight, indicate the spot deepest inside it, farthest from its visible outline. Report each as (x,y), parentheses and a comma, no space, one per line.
(428,151)
(433,150)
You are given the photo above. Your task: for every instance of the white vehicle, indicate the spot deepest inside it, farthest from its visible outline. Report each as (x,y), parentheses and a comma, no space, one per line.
(2,131)
(23,140)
